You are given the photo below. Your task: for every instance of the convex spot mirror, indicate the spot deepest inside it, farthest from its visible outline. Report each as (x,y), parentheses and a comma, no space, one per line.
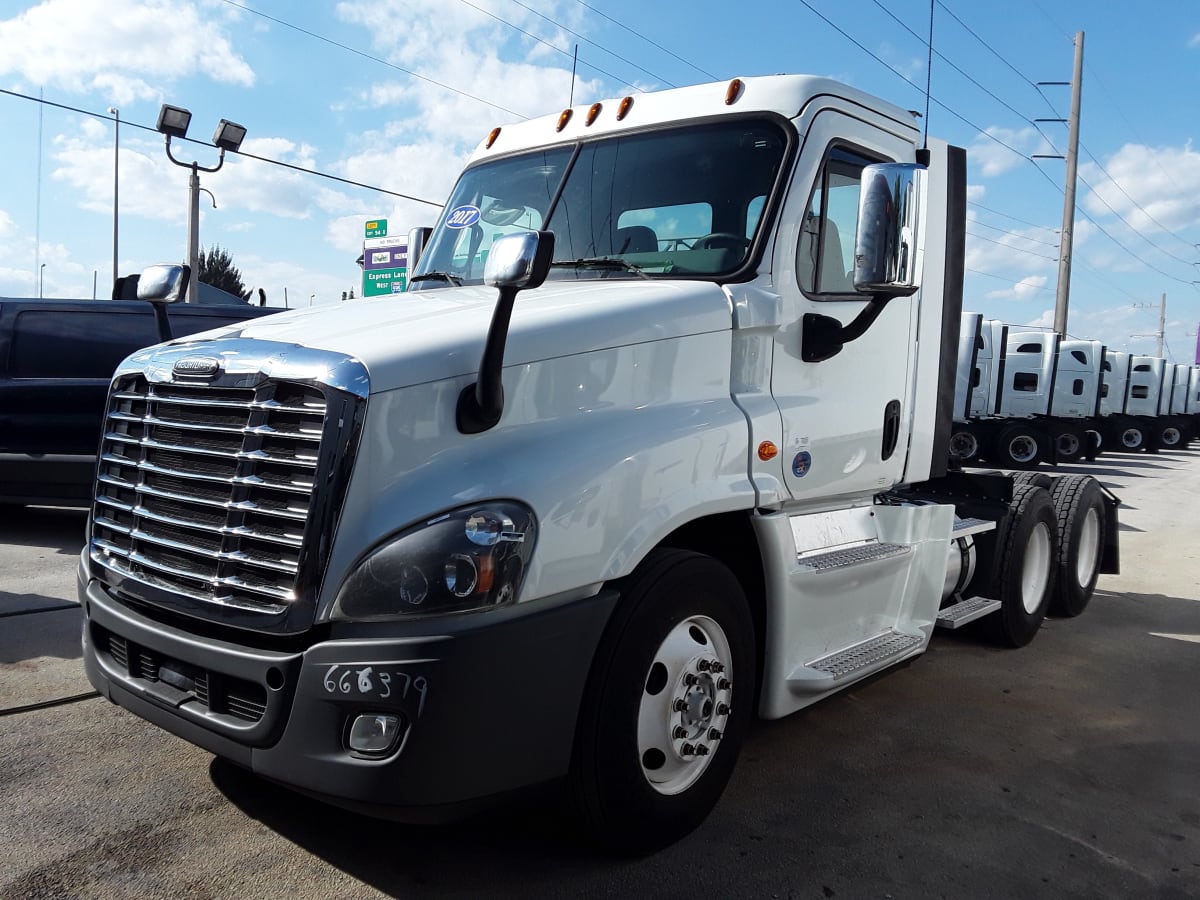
(889,213)
(164,283)
(519,260)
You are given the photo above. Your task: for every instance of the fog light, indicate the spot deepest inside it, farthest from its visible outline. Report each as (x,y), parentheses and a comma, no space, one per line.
(374,733)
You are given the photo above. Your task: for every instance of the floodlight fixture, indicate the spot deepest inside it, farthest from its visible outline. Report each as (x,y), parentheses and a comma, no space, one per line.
(173,121)
(229,135)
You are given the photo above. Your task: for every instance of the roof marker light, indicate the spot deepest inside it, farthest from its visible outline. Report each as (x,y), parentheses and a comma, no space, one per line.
(491,138)
(563,118)
(733,91)
(623,109)
(593,112)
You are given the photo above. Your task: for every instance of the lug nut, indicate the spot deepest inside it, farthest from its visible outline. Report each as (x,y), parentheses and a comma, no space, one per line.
(689,679)
(679,733)
(687,750)
(722,709)
(701,750)
(717,666)
(679,705)
(724,684)
(703,666)
(714,734)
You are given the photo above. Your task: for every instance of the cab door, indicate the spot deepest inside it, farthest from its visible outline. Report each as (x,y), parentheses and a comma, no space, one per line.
(846,419)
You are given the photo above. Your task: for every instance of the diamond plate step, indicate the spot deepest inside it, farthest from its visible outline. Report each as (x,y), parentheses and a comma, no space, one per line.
(965,611)
(844,665)
(836,559)
(963,527)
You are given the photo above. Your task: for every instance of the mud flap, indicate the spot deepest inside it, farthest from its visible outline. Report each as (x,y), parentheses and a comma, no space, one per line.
(1110,561)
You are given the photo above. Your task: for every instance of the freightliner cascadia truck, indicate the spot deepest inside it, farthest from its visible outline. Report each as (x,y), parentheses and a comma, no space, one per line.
(655,443)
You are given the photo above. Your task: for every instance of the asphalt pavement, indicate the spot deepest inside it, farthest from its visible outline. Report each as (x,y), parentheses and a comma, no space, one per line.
(1070,768)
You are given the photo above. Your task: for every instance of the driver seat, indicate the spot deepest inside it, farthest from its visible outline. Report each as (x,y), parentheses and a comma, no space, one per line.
(635,239)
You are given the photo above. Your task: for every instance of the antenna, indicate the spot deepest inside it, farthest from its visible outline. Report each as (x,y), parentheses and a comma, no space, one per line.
(574,62)
(928,79)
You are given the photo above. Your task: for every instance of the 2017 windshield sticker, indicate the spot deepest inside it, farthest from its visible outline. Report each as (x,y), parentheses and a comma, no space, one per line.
(463,217)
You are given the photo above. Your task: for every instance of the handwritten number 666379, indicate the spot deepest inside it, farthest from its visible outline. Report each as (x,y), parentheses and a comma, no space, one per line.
(352,680)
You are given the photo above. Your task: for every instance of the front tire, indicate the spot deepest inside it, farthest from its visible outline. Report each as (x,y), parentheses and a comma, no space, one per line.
(667,705)
(1079,506)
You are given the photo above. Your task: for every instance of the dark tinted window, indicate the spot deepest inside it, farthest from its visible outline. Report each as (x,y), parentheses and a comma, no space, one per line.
(1030,348)
(1080,355)
(1025,381)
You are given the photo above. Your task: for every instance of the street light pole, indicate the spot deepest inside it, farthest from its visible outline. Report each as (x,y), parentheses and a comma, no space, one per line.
(116,114)
(41,278)
(173,121)
(193,231)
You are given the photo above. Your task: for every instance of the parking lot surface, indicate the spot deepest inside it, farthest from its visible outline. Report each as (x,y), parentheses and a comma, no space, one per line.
(1070,768)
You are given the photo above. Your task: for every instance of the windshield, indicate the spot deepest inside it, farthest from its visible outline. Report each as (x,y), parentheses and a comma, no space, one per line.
(676,203)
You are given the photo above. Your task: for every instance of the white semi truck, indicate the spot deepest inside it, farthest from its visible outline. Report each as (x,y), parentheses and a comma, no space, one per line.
(1024,397)
(655,443)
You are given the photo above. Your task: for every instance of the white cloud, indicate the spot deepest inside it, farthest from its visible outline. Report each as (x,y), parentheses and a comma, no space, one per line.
(123,49)
(1152,188)
(999,150)
(975,192)
(1025,289)
(1195,41)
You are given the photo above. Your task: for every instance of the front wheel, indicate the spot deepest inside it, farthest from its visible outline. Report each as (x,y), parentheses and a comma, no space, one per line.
(1170,437)
(667,705)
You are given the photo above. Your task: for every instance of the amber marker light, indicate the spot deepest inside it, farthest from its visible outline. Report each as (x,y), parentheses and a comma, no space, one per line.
(593,112)
(563,118)
(491,138)
(624,108)
(767,451)
(733,91)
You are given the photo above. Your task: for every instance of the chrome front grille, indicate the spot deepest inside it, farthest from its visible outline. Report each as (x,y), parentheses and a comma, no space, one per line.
(208,492)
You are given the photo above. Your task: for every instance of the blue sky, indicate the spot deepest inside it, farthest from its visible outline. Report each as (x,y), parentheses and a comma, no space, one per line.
(395,95)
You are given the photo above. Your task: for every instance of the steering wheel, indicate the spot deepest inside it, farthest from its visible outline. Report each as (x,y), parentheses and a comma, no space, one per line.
(721,240)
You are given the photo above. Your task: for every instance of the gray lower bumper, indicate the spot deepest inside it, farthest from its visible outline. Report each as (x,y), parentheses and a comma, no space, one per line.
(487,709)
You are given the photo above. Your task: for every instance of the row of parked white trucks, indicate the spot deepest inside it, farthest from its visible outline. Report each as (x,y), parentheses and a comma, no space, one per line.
(1024,397)
(413,554)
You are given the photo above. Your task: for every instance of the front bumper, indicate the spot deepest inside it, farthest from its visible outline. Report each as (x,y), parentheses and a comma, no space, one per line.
(486,709)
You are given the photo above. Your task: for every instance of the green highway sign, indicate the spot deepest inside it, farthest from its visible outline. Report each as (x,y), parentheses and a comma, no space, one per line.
(376,228)
(380,282)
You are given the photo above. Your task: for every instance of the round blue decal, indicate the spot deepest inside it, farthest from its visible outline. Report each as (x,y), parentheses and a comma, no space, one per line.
(463,217)
(801,464)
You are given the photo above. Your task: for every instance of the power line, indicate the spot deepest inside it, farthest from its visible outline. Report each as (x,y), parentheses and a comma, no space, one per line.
(1015,234)
(380,60)
(530,34)
(275,162)
(637,34)
(1008,280)
(997,212)
(907,80)
(1011,246)
(586,40)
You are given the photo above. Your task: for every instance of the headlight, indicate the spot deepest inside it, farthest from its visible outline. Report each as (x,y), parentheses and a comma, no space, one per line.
(468,559)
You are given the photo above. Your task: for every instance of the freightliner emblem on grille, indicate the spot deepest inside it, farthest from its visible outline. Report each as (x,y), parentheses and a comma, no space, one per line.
(196,367)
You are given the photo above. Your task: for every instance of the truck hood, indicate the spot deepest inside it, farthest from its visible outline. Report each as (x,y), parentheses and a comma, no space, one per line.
(428,336)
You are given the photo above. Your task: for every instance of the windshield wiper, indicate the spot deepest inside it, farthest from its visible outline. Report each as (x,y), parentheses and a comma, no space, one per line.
(440,276)
(610,263)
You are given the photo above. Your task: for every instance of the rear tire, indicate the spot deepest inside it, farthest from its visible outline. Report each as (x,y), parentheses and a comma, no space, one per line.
(1082,516)
(1069,445)
(1017,447)
(964,446)
(654,698)
(1131,438)
(1170,437)
(1026,549)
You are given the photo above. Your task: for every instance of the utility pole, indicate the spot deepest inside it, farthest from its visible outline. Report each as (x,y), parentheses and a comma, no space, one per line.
(1062,295)
(1162,325)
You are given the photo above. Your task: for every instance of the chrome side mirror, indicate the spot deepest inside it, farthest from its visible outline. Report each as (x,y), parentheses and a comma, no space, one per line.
(889,213)
(164,283)
(518,261)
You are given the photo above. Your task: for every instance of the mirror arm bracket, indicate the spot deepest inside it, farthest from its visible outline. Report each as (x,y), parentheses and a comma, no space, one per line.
(824,336)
